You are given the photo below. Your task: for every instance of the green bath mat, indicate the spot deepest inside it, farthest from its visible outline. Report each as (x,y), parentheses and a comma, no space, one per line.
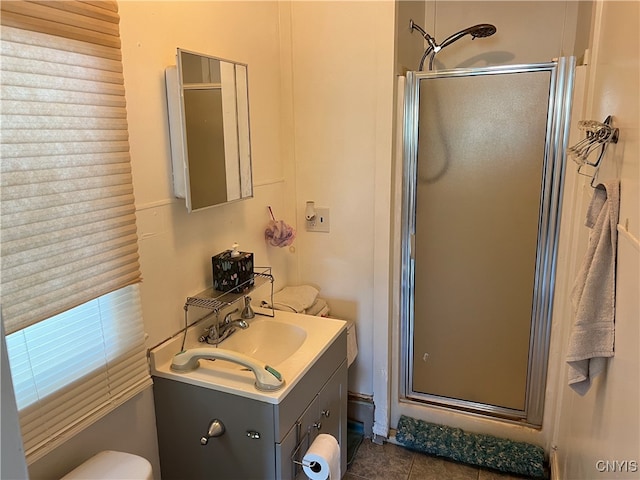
(472,448)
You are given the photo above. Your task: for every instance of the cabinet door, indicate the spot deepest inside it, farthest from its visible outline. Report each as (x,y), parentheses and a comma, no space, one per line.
(332,404)
(296,443)
(183,415)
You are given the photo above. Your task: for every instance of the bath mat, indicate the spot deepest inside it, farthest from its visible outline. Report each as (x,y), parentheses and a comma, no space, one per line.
(355,434)
(472,448)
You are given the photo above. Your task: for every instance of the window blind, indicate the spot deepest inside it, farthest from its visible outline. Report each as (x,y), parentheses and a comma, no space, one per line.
(69,254)
(68,216)
(70,370)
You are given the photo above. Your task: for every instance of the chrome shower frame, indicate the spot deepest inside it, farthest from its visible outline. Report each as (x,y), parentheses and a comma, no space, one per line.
(559,108)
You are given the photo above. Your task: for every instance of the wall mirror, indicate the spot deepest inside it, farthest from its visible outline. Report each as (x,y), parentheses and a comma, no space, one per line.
(208,106)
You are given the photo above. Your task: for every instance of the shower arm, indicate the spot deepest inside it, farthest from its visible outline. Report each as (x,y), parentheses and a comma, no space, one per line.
(430,40)
(433,46)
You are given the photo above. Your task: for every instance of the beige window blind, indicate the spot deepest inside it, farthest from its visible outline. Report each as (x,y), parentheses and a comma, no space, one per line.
(69,254)
(68,217)
(72,369)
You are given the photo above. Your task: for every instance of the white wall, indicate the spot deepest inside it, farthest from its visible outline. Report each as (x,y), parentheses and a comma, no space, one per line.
(321,97)
(176,247)
(409,47)
(604,425)
(342,68)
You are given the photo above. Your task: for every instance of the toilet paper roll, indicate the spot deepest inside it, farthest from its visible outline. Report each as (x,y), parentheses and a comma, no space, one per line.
(322,460)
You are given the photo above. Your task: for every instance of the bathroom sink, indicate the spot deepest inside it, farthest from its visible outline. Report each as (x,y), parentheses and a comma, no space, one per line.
(266,340)
(288,343)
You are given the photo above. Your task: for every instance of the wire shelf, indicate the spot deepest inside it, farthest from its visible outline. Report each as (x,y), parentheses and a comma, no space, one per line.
(215,300)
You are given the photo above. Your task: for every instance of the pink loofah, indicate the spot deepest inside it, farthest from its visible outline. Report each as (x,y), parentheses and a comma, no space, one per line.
(278,233)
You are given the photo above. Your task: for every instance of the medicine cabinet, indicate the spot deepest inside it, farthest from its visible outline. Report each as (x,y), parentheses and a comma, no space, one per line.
(208,105)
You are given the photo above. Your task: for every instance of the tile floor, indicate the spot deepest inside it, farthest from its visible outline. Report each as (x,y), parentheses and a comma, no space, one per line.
(392,462)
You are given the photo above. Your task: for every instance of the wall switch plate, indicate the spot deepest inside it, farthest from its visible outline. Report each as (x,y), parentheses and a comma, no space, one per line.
(320,222)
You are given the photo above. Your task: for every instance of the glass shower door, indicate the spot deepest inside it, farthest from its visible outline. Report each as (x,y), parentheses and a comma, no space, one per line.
(482,190)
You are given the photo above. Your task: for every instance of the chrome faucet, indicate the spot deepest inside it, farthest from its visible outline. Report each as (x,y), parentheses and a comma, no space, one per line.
(217,332)
(247,311)
(229,326)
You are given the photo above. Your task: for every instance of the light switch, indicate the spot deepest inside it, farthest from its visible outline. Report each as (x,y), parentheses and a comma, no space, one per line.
(320,223)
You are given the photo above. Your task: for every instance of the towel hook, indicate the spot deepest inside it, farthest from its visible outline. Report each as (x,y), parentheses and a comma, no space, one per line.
(598,134)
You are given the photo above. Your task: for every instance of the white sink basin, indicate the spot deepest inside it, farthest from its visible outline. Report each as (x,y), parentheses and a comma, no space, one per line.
(266,340)
(289,343)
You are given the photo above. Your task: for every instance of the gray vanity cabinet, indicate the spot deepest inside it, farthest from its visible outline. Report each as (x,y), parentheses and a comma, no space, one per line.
(260,439)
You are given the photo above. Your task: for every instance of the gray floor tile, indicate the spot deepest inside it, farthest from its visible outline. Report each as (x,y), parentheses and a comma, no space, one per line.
(381,462)
(426,467)
(491,475)
(392,462)
(350,476)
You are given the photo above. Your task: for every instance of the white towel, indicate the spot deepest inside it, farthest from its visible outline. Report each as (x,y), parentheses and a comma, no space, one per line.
(295,299)
(593,294)
(320,308)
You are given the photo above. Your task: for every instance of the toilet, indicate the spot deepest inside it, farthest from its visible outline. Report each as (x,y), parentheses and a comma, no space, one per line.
(110,465)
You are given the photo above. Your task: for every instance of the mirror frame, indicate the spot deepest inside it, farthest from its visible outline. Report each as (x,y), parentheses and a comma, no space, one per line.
(235,131)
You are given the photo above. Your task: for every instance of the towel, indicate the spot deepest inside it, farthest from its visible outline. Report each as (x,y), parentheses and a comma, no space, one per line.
(593,294)
(294,299)
(320,308)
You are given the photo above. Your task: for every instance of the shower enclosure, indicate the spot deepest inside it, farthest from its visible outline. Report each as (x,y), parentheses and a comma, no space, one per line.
(483,172)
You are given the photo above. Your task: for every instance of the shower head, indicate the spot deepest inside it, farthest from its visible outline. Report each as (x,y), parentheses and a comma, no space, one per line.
(481,30)
(477,31)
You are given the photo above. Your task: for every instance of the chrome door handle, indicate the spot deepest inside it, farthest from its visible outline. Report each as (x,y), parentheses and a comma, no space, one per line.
(216,429)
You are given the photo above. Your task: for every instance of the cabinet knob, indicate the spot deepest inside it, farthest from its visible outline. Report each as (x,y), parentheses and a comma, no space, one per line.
(253,435)
(216,429)
(326,413)
(317,425)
